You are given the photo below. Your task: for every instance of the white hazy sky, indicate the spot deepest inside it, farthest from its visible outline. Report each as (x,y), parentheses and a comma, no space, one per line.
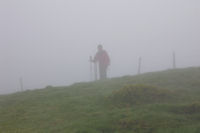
(48,42)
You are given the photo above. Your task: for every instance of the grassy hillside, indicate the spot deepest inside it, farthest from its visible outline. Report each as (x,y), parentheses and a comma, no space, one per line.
(158,102)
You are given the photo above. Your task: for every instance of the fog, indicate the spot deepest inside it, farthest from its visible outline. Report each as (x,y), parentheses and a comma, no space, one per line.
(48,42)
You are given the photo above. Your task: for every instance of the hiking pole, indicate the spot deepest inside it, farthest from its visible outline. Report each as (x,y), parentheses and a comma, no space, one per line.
(108,71)
(90,59)
(95,71)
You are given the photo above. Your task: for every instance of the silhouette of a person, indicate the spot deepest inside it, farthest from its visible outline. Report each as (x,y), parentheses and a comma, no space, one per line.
(103,60)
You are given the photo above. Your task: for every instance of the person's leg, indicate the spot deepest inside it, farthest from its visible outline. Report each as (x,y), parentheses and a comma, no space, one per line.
(102,72)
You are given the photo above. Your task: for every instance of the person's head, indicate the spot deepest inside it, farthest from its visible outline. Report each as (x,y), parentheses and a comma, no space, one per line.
(100,47)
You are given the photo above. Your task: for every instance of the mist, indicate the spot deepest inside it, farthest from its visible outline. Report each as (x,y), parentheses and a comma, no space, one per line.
(48,42)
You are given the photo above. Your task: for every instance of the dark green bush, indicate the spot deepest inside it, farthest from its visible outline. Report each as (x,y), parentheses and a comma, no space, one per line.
(192,108)
(140,94)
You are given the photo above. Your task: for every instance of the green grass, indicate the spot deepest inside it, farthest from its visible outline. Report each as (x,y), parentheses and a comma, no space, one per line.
(159,102)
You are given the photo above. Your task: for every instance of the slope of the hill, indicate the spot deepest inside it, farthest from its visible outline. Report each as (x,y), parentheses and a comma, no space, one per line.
(102,106)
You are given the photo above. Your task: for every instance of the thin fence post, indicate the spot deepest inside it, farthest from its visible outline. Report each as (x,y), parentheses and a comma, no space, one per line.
(174,60)
(139,65)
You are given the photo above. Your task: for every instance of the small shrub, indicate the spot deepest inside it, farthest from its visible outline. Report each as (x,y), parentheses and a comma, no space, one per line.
(138,94)
(192,108)
(49,87)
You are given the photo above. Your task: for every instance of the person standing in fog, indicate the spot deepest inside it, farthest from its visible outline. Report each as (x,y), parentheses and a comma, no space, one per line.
(103,60)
